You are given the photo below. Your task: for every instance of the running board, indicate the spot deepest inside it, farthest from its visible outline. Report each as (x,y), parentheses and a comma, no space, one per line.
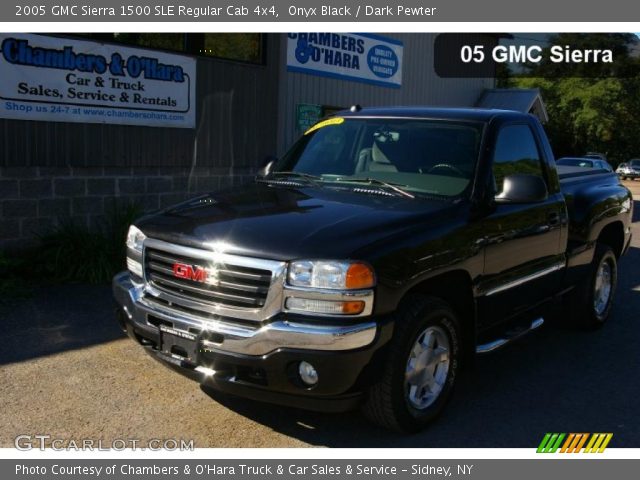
(509,337)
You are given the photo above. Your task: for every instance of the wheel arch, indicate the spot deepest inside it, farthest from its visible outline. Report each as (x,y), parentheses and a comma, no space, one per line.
(456,288)
(612,235)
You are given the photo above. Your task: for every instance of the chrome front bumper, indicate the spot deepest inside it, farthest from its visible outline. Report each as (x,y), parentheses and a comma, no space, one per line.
(260,339)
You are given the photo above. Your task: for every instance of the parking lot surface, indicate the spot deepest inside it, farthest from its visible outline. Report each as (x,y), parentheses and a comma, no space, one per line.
(67,371)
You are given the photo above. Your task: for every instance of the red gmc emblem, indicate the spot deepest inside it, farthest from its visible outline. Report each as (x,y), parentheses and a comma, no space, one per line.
(190,272)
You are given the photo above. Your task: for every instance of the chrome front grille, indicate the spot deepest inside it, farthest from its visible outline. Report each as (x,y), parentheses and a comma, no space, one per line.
(213,283)
(230,285)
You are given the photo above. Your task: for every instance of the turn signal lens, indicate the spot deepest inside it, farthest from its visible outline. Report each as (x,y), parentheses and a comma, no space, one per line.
(134,267)
(329,307)
(359,275)
(352,308)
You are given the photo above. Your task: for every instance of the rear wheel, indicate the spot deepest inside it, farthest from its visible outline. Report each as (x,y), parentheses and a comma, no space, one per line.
(420,373)
(593,299)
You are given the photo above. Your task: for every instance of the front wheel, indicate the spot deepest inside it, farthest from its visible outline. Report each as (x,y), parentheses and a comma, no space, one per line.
(418,377)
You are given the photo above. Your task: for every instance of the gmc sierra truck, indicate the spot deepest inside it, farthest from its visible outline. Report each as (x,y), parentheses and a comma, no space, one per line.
(362,268)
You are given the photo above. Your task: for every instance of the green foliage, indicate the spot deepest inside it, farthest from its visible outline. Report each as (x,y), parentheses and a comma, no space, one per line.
(590,108)
(76,253)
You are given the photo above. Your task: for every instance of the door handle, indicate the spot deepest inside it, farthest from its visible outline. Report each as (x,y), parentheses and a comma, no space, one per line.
(553,218)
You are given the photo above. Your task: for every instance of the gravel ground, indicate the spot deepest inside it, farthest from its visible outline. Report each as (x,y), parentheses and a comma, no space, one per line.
(67,371)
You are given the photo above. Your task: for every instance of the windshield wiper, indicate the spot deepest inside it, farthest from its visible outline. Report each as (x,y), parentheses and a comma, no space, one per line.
(298,175)
(381,183)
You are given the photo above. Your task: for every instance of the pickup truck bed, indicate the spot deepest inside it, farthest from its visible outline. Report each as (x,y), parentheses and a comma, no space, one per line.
(568,173)
(592,197)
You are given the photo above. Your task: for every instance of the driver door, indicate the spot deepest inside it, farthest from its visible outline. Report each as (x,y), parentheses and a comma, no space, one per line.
(523,256)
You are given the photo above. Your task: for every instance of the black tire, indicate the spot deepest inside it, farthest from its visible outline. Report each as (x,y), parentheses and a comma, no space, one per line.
(585,314)
(387,403)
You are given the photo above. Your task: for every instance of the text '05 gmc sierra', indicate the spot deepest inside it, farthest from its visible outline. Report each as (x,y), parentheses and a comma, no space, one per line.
(367,264)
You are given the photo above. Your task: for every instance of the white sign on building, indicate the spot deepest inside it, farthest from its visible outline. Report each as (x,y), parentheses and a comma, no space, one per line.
(65,80)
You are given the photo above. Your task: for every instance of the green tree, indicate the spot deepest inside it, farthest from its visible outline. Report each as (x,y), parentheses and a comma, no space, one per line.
(591,106)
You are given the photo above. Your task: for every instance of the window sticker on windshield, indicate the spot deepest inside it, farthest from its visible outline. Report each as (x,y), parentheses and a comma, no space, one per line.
(325,123)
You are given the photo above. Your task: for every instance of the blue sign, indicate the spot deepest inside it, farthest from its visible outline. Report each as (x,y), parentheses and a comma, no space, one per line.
(350,56)
(383,61)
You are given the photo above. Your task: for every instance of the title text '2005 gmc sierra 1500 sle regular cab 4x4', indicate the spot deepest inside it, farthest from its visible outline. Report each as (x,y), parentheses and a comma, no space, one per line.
(363,267)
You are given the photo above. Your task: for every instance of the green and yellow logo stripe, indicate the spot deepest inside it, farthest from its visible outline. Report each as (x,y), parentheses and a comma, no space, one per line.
(574,442)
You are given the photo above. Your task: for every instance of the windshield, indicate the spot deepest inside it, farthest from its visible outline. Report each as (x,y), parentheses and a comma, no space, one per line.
(575,162)
(431,157)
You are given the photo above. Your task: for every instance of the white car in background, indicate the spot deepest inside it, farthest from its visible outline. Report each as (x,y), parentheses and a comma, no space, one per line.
(630,169)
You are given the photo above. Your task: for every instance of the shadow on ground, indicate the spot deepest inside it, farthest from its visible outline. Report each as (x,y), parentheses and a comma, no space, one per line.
(57,319)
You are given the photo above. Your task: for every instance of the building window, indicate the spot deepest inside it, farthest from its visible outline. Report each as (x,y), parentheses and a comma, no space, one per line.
(240,47)
(160,41)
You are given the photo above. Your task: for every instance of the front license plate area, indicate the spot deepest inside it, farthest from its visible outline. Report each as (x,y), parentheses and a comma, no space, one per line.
(178,344)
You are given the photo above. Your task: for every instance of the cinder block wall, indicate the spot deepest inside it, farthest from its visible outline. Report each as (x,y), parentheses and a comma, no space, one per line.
(33,200)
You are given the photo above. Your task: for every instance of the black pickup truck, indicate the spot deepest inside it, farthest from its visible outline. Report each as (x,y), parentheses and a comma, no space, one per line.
(365,266)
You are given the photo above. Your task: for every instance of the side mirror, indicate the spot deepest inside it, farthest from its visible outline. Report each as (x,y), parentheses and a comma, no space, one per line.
(267,166)
(522,188)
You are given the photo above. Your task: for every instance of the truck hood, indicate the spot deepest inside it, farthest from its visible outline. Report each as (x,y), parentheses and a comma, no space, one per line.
(269,221)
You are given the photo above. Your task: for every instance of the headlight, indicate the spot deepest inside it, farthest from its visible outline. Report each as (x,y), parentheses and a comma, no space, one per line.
(135,238)
(330,287)
(332,275)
